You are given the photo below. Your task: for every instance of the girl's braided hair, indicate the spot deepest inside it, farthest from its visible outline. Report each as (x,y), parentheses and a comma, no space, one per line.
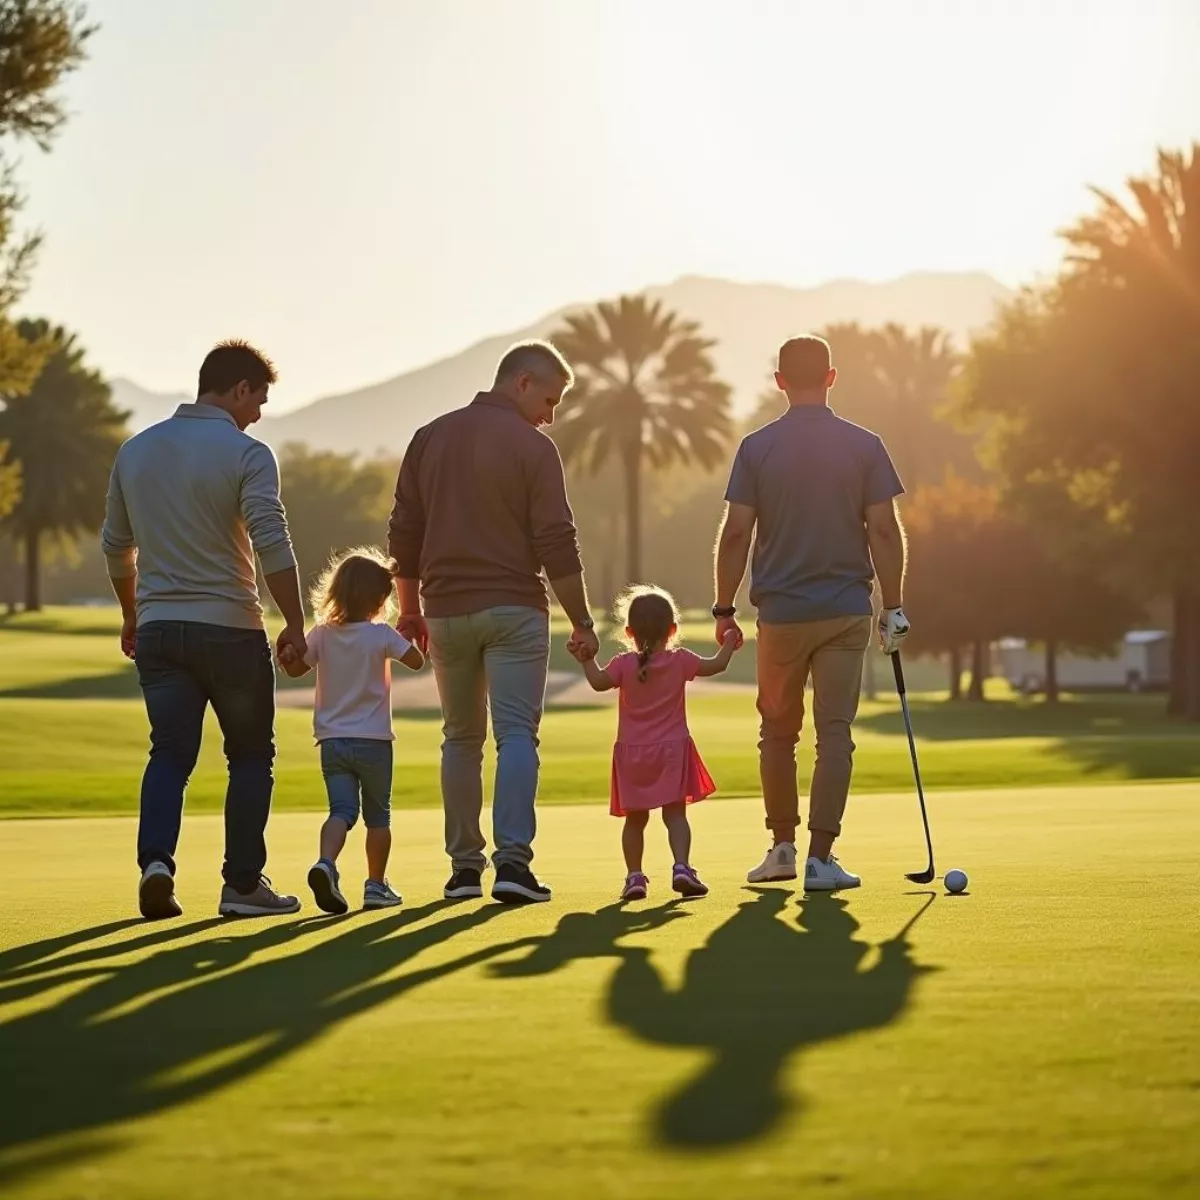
(648,613)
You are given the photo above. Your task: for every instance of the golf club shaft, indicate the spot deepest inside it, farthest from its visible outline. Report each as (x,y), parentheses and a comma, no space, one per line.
(912,748)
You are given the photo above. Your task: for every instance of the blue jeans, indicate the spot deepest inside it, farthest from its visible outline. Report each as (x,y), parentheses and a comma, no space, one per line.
(183,666)
(358,765)
(498,656)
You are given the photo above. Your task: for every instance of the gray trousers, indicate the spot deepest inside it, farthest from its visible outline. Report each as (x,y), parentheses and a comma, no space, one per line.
(498,659)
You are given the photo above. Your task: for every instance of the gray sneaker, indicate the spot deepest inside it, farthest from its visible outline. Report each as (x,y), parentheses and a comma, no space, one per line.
(264,901)
(325,882)
(156,893)
(380,895)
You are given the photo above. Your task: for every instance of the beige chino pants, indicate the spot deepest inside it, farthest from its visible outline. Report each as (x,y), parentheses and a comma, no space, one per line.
(832,652)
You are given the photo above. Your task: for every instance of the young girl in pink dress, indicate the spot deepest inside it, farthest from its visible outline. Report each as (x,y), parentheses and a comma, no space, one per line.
(655,762)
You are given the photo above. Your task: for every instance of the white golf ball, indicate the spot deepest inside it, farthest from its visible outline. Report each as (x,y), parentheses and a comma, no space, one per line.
(956,881)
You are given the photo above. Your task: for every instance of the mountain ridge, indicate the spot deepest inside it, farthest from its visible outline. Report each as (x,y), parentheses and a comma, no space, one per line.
(746,320)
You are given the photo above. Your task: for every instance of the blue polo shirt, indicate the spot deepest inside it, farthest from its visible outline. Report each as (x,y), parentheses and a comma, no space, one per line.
(810,477)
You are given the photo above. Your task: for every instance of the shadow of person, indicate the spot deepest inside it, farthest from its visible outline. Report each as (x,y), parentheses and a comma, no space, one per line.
(582,935)
(189,1020)
(32,952)
(758,991)
(41,968)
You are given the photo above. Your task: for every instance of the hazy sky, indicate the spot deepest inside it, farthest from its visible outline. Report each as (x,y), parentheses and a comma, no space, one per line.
(368,191)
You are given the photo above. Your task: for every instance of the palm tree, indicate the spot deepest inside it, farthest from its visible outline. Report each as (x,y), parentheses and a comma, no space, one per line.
(915,370)
(646,393)
(1158,237)
(64,432)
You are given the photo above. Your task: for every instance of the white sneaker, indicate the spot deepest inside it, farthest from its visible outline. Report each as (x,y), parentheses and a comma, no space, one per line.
(780,863)
(827,876)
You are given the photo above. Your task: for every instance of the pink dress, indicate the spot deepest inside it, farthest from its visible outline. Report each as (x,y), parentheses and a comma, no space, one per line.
(655,761)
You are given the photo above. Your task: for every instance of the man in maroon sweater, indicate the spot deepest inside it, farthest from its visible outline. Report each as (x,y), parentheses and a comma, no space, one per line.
(481,520)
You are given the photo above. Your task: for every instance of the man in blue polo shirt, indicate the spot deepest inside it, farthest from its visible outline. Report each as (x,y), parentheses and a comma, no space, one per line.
(816,495)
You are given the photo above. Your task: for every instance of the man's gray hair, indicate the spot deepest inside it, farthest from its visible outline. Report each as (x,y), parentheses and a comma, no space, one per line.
(534,358)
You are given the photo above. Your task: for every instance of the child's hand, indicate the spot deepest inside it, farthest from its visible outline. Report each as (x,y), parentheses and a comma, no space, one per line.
(731,637)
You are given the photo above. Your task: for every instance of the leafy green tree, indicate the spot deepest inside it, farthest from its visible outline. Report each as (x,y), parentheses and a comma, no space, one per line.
(333,502)
(10,481)
(957,584)
(981,570)
(40,42)
(646,394)
(1091,387)
(64,431)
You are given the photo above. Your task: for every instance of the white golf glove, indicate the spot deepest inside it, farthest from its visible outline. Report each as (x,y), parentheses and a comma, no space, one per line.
(893,629)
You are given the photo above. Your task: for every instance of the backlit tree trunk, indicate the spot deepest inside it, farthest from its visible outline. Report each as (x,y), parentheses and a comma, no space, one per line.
(633,512)
(1184,697)
(1191,662)
(978,667)
(956,669)
(1051,671)
(1193,673)
(33,571)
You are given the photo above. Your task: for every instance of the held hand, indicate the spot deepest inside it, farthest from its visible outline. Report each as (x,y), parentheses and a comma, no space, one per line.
(129,636)
(732,637)
(415,629)
(729,625)
(893,629)
(290,646)
(583,645)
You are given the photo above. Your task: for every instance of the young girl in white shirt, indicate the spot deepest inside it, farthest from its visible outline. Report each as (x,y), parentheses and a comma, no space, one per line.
(352,651)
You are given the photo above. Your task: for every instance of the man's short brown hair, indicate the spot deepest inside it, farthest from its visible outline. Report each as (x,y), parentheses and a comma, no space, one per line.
(228,363)
(805,361)
(536,358)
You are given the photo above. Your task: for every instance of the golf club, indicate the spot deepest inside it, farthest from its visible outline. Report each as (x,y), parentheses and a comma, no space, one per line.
(925,876)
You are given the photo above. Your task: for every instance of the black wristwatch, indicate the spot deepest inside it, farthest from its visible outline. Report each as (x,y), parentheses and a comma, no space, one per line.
(586,623)
(723,614)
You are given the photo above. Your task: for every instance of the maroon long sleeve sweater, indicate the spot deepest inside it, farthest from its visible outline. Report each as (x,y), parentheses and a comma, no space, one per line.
(481,510)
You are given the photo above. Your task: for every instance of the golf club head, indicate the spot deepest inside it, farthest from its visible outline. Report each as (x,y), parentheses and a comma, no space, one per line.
(925,876)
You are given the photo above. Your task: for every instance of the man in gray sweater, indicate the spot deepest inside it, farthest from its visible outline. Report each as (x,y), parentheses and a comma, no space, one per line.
(191,501)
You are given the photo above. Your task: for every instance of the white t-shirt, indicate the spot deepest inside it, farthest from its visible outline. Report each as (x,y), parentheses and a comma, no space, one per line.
(354,679)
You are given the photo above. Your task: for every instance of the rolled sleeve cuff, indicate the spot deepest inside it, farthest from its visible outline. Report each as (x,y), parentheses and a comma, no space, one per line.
(277,558)
(407,558)
(562,564)
(122,564)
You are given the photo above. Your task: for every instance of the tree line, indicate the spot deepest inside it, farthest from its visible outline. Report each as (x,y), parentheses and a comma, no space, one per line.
(1047,463)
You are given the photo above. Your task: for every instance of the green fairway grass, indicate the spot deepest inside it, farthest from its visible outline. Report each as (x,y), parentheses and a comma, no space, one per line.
(73,736)
(1035,1037)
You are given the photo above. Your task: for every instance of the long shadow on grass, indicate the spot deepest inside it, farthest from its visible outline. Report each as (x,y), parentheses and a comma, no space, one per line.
(188,1020)
(758,992)
(589,935)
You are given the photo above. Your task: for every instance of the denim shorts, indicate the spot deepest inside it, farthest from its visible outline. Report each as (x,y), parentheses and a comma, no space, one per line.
(354,768)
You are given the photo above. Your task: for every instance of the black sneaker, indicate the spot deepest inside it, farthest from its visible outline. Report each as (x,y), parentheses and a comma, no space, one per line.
(464,885)
(518,885)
